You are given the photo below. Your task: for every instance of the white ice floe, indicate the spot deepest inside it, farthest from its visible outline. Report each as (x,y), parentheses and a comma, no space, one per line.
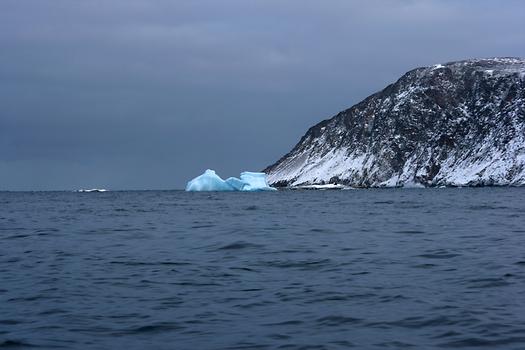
(210,181)
(324,187)
(92,190)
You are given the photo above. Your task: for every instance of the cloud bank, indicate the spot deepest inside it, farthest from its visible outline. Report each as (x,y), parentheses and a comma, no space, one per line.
(130,94)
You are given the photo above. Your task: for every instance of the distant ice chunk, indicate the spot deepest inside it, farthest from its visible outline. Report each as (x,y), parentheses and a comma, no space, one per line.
(413,184)
(324,187)
(92,190)
(210,181)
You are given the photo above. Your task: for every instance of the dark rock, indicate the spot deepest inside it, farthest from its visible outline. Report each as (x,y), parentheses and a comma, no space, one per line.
(457,124)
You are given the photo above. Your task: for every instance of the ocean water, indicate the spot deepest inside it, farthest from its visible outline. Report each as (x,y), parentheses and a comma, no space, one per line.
(365,269)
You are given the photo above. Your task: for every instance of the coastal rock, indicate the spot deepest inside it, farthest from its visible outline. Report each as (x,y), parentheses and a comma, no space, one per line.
(454,124)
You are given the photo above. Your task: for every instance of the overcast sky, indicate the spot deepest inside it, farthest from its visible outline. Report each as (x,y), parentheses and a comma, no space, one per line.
(129,94)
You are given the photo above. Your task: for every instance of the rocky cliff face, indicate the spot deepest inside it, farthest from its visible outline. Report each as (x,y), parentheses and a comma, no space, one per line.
(456,124)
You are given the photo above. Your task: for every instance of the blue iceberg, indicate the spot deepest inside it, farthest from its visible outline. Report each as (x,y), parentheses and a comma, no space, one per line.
(255,182)
(210,181)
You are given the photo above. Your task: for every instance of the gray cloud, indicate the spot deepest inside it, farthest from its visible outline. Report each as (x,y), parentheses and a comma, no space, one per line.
(147,94)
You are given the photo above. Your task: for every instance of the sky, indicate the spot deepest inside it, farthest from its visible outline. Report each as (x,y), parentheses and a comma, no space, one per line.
(147,94)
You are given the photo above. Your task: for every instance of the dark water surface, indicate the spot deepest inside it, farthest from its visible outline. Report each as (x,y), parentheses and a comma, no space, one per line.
(370,269)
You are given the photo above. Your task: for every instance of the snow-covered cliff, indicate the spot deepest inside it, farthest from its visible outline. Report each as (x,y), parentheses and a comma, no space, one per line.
(460,124)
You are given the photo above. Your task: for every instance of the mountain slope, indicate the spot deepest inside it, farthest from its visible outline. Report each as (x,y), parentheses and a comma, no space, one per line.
(460,124)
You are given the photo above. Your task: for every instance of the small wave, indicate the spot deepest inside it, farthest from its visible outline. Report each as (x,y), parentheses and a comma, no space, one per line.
(32,298)
(10,322)
(46,231)
(52,312)
(360,273)
(487,283)
(479,342)
(155,328)
(440,254)
(247,346)
(11,344)
(390,298)
(17,236)
(424,266)
(415,322)
(410,232)
(250,305)
(286,323)
(143,263)
(340,297)
(321,230)
(239,245)
(277,336)
(305,264)
(196,284)
(242,269)
(395,345)
(203,226)
(447,335)
(124,229)
(335,320)
(252,290)
(484,207)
